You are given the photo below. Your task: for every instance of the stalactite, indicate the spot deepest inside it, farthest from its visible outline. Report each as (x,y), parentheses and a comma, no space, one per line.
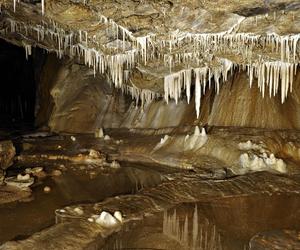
(28,50)
(174,82)
(43,6)
(146,96)
(273,75)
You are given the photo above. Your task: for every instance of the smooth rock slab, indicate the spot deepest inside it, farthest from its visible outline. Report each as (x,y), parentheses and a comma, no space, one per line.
(76,235)
(10,194)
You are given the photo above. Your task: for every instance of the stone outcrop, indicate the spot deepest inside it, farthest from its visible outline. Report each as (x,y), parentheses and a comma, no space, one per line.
(280,239)
(7,153)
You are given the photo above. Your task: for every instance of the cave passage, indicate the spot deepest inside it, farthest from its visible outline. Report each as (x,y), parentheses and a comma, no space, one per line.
(18,87)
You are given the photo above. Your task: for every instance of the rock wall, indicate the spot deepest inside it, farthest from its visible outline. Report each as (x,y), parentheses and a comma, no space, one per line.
(72,99)
(7,154)
(239,105)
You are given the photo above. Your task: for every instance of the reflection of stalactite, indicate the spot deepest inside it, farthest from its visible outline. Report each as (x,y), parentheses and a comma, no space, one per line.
(114,245)
(204,234)
(115,100)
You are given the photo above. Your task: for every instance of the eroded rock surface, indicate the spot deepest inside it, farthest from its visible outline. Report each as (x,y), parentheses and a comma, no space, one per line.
(7,153)
(281,239)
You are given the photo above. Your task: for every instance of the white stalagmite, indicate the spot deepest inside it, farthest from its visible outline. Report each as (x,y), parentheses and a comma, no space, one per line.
(163,140)
(161,143)
(195,141)
(106,220)
(99,133)
(203,132)
(262,162)
(197,131)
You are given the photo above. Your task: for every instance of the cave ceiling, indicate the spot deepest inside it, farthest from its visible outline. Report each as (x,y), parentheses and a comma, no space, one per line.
(164,46)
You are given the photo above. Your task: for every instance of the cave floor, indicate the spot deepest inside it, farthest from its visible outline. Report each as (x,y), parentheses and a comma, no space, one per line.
(170,198)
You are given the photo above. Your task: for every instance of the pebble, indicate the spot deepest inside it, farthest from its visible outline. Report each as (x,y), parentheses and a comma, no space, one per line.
(33,170)
(21,177)
(56,172)
(106,138)
(94,154)
(62,167)
(93,174)
(40,174)
(115,164)
(47,189)
(78,210)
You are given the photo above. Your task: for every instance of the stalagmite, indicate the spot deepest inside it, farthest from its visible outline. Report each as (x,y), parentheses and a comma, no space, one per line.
(203,132)
(262,162)
(195,141)
(161,143)
(163,140)
(21,177)
(197,131)
(118,216)
(106,220)
(99,133)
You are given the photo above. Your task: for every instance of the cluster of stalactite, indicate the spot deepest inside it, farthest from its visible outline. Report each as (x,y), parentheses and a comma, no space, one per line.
(195,51)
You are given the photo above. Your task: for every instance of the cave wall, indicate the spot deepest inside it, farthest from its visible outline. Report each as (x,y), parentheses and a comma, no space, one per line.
(72,99)
(239,105)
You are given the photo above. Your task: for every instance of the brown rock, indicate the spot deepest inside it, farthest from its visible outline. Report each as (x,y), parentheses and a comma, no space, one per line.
(56,172)
(7,153)
(281,239)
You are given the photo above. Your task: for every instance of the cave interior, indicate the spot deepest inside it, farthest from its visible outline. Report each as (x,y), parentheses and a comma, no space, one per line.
(148,124)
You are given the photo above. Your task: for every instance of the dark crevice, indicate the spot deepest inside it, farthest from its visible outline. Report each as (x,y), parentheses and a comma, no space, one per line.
(18,88)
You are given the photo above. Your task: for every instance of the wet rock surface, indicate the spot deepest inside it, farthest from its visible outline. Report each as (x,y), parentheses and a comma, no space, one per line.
(162,194)
(281,239)
(7,153)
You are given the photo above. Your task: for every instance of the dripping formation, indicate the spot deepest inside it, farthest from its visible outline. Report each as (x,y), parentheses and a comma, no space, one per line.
(118,58)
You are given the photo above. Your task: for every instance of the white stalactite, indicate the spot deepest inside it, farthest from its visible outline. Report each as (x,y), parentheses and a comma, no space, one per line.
(28,50)
(273,75)
(43,6)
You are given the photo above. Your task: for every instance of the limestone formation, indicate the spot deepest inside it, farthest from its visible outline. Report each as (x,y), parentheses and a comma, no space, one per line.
(7,153)
(149,124)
